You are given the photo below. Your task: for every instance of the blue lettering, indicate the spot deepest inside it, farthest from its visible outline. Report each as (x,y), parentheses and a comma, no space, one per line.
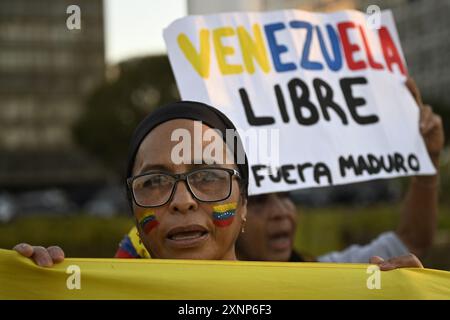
(277,49)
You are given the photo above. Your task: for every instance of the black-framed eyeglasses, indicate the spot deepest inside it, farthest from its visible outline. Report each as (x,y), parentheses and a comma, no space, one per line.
(156,188)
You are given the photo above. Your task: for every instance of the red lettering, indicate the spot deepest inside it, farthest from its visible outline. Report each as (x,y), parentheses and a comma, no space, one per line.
(390,52)
(349,48)
(372,63)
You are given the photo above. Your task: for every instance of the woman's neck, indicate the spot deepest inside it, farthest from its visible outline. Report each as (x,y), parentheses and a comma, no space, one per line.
(230,255)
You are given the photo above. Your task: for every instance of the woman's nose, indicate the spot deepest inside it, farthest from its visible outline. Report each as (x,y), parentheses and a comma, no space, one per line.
(182,200)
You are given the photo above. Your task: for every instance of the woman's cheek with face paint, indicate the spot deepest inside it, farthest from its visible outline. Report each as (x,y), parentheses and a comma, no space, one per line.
(227,221)
(148,225)
(148,222)
(223,215)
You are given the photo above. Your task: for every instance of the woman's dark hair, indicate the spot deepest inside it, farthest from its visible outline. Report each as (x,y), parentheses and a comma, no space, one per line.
(193,111)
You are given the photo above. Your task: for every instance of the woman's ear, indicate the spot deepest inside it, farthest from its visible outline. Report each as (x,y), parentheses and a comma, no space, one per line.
(243,210)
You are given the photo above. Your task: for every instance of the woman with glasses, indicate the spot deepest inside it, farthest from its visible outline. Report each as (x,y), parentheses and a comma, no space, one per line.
(192,209)
(189,210)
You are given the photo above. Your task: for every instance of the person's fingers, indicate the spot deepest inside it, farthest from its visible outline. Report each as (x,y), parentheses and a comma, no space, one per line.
(386,266)
(433,123)
(24,249)
(376,260)
(426,115)
(381,263)
(407,261)
(412,87)
(56,253)
(42,257)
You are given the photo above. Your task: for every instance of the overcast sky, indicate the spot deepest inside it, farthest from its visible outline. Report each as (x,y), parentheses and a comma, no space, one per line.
(134,27)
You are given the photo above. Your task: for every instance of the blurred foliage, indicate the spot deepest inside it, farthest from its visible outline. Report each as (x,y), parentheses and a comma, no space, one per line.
(319,231)
(113,110)
(79,235)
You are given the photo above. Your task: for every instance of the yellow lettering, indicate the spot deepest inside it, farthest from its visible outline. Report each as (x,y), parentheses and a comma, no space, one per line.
(199,60)
(253,49)
(222,51)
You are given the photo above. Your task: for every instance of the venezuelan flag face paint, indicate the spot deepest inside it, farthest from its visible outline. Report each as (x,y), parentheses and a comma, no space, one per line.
(148,222)
(223,215)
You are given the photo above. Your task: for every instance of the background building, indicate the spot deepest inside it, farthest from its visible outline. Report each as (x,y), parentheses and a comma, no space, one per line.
(46,70)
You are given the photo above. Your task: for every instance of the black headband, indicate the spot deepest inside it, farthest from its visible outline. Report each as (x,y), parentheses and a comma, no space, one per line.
(194,111)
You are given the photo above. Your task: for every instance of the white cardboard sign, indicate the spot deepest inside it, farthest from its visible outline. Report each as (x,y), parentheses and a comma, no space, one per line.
(323,94)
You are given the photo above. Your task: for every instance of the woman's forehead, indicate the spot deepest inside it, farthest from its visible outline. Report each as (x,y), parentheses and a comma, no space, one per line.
(181,143)
(174,124)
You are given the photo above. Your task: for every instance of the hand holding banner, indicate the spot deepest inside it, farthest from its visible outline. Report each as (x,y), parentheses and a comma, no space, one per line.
(157,279)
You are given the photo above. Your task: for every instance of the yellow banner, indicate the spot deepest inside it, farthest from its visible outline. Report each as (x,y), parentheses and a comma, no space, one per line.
(20,278)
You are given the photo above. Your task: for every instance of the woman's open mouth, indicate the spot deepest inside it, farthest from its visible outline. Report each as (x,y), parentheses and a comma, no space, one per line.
(280,241)
(187,236)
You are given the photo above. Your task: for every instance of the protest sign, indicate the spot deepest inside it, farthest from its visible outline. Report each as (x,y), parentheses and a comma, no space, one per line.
(319,99)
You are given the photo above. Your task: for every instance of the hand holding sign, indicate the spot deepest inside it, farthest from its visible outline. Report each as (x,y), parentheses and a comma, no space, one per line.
(430,124)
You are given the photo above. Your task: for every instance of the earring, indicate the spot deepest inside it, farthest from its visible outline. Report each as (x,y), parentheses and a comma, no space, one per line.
(243,225)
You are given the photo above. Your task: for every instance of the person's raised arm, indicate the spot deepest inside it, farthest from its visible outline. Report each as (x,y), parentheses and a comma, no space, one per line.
(420,208)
